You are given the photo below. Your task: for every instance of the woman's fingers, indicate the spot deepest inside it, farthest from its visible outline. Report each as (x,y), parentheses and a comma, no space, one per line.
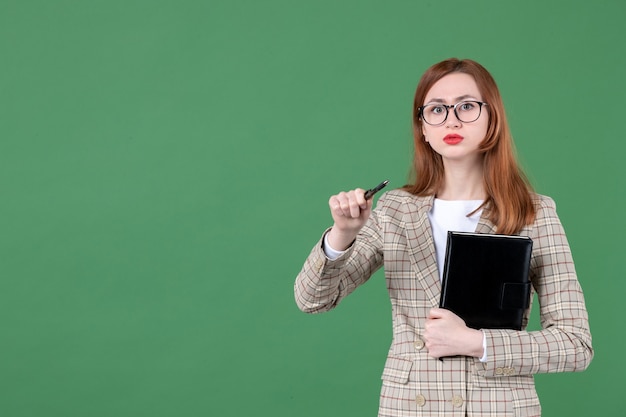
(349,204)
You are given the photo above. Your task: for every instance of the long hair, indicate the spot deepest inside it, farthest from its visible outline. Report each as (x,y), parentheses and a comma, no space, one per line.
(509,203)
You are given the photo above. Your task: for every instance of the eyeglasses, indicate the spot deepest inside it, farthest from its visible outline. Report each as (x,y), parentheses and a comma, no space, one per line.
(436,114)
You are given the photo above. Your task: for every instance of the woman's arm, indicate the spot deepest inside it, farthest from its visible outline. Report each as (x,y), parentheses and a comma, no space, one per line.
(564,343)
(323,283)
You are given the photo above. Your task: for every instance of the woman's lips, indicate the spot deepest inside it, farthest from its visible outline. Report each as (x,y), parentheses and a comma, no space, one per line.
(453,139)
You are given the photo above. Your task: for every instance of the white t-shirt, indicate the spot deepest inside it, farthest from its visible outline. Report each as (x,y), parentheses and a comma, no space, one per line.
(451,215)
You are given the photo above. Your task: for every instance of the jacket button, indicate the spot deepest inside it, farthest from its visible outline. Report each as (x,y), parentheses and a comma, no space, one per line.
(419,344)
(457,401)
(499,371)
(420,400)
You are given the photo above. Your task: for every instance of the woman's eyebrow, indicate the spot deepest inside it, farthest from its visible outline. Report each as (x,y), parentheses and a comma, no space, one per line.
(460,98)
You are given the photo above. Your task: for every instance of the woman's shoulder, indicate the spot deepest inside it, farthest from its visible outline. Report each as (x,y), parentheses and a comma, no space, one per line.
(401,200)
(542,202)
(401,196)
(545,208)
(398,194)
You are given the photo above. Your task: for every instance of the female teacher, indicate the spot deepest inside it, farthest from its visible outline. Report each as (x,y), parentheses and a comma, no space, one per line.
(466,178)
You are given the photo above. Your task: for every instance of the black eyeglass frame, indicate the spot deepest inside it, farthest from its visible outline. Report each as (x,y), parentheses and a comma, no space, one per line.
(420,111)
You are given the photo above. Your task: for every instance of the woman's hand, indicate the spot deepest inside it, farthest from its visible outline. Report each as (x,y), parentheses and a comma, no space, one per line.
(350,211)
(445,334)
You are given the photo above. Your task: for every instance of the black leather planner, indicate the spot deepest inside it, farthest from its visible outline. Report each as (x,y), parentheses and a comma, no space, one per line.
(486,279)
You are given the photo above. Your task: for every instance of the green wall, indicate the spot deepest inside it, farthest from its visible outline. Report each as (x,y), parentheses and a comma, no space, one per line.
(165,169)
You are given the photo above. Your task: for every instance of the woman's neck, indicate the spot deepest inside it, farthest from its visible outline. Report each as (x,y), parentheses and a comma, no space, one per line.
(463,182)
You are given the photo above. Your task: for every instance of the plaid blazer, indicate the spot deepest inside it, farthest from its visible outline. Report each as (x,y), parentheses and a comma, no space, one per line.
(398,237)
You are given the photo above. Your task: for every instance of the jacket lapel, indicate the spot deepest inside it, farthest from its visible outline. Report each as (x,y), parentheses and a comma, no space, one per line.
(484,225)
(421,246)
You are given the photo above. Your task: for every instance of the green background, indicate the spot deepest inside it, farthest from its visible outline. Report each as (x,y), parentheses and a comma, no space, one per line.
(166,165)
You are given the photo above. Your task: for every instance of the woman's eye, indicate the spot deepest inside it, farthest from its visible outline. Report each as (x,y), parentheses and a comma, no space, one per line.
(436,109)
(467,106)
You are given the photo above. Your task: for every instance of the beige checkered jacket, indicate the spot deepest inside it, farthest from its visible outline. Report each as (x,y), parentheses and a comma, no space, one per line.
(398,237)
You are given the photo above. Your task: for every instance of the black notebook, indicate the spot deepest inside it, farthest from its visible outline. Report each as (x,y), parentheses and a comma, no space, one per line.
(485,279)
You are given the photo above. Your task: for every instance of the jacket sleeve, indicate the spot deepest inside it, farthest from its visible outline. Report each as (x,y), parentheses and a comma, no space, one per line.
(564,343)
(323,283)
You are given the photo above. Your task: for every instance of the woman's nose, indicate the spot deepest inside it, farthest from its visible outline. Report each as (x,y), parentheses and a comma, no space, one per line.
(453,120)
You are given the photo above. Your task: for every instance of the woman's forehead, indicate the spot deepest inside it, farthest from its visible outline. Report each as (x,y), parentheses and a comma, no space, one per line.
(454,87)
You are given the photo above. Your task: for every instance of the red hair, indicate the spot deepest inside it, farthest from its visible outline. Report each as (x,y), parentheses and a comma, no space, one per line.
(509,202)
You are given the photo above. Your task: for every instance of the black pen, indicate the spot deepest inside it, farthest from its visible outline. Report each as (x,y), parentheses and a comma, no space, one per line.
(370,193)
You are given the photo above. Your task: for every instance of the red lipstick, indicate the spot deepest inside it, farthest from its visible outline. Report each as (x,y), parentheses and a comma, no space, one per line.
(453,139)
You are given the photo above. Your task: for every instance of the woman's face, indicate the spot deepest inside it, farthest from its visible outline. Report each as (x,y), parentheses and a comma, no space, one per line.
(454,139)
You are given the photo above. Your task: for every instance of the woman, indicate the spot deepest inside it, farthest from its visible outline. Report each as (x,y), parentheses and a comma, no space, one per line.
(466,179)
